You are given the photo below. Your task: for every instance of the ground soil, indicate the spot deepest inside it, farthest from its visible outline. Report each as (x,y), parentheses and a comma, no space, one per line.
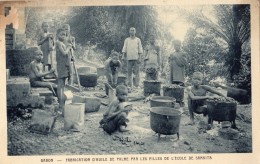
(92,140)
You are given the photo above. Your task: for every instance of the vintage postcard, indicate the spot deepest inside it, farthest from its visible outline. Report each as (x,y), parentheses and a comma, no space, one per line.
(129,81)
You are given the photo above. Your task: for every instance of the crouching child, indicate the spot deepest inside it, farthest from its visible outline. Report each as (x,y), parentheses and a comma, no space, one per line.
(197,97)
(115,118)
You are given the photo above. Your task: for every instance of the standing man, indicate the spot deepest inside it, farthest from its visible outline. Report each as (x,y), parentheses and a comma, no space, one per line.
(131,52)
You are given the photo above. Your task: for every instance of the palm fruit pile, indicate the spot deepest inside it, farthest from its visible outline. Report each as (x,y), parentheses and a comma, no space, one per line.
(222,100)
(152,73)
(173,86)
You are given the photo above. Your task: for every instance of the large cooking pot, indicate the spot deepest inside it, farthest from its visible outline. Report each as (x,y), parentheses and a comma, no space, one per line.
(88,80)
(162,101)
(222,111)
(165,120)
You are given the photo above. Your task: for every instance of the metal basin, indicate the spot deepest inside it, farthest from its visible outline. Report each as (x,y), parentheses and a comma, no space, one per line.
(165,120)
(88,80)
(162,101)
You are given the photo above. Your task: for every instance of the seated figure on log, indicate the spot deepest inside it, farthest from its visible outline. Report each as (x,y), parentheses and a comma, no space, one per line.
(36,73)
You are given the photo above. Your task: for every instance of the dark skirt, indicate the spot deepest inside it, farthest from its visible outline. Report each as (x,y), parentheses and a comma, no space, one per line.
(111,125)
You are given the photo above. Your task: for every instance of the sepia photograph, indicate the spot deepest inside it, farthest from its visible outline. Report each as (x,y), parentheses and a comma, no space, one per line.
(87,81)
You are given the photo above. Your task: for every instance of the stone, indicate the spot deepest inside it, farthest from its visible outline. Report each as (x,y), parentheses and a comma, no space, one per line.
(175,145)
(18,88)
(33,100)
(186,142)
(42,121)
(213,132)
(228,133)
(44,92)
(19,93)
(92,104)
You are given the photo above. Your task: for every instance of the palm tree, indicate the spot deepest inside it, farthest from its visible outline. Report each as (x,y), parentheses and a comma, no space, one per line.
(232,25)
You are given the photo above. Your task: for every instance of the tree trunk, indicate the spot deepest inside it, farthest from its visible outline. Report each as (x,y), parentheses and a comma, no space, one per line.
(235,52)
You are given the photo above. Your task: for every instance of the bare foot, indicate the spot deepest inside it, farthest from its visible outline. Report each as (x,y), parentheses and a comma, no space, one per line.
(190,123)
(123,129)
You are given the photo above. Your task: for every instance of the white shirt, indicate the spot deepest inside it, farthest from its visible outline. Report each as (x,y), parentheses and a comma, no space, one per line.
(132,47)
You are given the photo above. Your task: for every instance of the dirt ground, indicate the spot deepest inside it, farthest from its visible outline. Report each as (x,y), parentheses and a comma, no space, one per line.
(141,138)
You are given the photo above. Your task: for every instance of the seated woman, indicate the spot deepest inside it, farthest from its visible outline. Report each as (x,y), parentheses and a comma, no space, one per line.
(36,73)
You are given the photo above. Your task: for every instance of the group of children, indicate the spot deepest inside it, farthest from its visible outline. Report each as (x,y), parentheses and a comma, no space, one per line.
(43,64)
(116,115)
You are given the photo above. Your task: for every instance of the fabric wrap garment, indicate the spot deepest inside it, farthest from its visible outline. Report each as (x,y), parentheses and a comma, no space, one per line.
(178,63)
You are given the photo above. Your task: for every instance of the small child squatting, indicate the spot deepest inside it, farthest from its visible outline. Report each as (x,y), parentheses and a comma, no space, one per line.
(36,73)
(115,118)
(197,96)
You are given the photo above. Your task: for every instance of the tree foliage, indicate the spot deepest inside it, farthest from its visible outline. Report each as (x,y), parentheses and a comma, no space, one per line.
(35,16)
(232,26)
(204,54)
(108,26)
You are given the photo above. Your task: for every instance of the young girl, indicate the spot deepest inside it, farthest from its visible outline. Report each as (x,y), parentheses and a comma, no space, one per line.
(46,44)
(69,41)
(152,60)
(178,63)
(63,66)
(197,96)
